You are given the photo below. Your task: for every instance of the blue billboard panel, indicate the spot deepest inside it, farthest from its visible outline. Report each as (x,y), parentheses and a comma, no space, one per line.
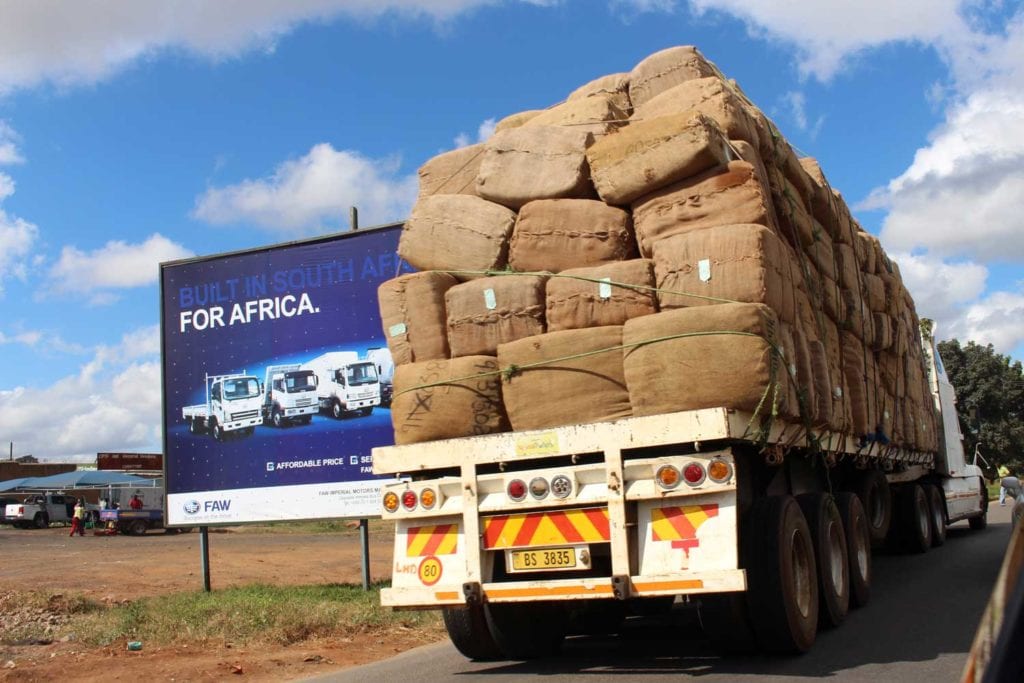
(277,380)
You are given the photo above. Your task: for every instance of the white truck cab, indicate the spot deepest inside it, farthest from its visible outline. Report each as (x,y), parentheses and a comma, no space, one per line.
(345,384)
(289,395)
(233,407)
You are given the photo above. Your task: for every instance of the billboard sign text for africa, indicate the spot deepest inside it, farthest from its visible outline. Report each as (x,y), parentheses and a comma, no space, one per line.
(277,380)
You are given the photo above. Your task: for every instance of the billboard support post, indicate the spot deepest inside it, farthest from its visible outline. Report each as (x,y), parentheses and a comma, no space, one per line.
(204,552)
(364,541)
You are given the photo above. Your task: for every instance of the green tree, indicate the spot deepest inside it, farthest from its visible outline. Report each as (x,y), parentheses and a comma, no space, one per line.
(990,401)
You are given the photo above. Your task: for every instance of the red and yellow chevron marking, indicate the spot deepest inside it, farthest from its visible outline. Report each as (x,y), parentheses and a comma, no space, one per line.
(679,524)
(556,527)
(441,539)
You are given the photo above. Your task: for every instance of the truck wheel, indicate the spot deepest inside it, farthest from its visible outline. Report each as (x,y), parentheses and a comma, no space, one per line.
(937,513)
(218,431)
(277,418)
(527,630)
(914,519)
(41,520)
(830,553)
(858,547)
(467,629)
(783,594)
(876,498)
(336,410)
(137,527)
(195,427)
(981,521)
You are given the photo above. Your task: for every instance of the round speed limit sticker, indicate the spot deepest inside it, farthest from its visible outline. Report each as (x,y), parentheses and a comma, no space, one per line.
(430,571)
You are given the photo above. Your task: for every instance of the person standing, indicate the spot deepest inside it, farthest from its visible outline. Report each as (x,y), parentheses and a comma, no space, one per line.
(78,518)
(135,503)
(1009,486)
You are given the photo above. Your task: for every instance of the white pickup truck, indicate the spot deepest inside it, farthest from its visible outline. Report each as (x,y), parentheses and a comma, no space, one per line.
(40,510)
(233,407)
(289,395)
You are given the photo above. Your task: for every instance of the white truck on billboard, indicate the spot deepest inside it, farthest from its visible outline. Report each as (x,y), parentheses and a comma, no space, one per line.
(289,395)
(345,384)
(381,358)
(233,407)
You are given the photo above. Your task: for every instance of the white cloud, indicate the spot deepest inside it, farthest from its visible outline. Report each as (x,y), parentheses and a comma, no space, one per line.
(117,265)
(483,132)
(313,194)
(72,43)
(109,405)
(824,34)
(17,240)
(43,341)
(9,140)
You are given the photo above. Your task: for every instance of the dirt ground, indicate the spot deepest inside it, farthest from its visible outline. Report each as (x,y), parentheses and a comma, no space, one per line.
(127,567)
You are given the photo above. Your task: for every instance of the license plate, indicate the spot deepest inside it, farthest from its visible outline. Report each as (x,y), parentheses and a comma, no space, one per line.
(546,559)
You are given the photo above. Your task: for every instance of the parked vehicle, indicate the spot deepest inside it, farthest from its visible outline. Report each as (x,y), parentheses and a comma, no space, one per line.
(232,408)
(508,533)
(41,510)
(4,502)
(345,384)
(289,395)
(135,521)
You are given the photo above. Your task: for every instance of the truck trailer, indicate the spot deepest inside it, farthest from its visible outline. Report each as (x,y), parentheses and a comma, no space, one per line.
(509,533)
(233,407)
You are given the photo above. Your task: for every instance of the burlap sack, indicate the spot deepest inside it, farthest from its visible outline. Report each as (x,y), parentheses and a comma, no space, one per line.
(710,96)
(744,263)
(842,408)
(535,162)
(467,402)
(557,385)
(741,150)
(795,222)
(883,332)
(579,303)
(823,388)
(650,154)
(665,69)
(832,298)
(735,367)
(791,408)
(456,232)
(453,172)
(516,120)
(822,254)
(807,391)
(874,292)
(613,86)
(556,234)
(845,229)
(595,114)
(490,311)
(721,196)
(865,247)
(849,274)
(862,384)
(858,318)
(413,315)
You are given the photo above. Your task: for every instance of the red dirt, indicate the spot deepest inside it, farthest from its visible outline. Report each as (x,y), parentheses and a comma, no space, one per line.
(125,568)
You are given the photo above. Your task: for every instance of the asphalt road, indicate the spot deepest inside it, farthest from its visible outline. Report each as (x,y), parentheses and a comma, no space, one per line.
(918,626)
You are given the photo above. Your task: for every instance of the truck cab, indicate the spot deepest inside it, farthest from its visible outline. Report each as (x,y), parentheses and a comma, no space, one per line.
(232,408)
(289,395)
(345,384)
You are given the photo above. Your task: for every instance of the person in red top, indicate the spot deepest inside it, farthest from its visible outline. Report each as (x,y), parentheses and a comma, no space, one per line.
(135,503)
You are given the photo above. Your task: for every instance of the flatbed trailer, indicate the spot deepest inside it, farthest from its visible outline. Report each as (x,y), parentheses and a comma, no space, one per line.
(133,522)
(764,525)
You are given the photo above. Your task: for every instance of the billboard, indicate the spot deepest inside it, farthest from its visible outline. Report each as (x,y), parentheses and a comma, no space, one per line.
(130,461)
(276,380)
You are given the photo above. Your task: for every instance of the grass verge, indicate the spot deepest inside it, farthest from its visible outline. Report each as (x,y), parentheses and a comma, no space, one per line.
(281,615)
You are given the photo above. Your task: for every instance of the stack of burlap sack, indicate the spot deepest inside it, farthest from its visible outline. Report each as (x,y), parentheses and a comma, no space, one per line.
(650,245)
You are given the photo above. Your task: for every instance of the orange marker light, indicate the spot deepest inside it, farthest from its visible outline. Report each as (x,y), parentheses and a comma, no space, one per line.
(428,498)
(667,477)
(719,471)
(390,501)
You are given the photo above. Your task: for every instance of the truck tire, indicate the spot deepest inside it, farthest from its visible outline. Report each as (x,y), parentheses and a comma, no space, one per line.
(873,490)
(278,419)
(831,556)
(783,593)
(218,431)
(979,522)
(527,630)
(195,426)
(937,514)
(913,519)
(468,631)
(858,547)
(138,527)
(41,520)
(336,410)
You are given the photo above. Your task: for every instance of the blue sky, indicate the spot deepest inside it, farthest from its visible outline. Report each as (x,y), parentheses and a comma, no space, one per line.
(137,132)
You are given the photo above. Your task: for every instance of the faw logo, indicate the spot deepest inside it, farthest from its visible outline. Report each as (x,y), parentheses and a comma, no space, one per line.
(191,507)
